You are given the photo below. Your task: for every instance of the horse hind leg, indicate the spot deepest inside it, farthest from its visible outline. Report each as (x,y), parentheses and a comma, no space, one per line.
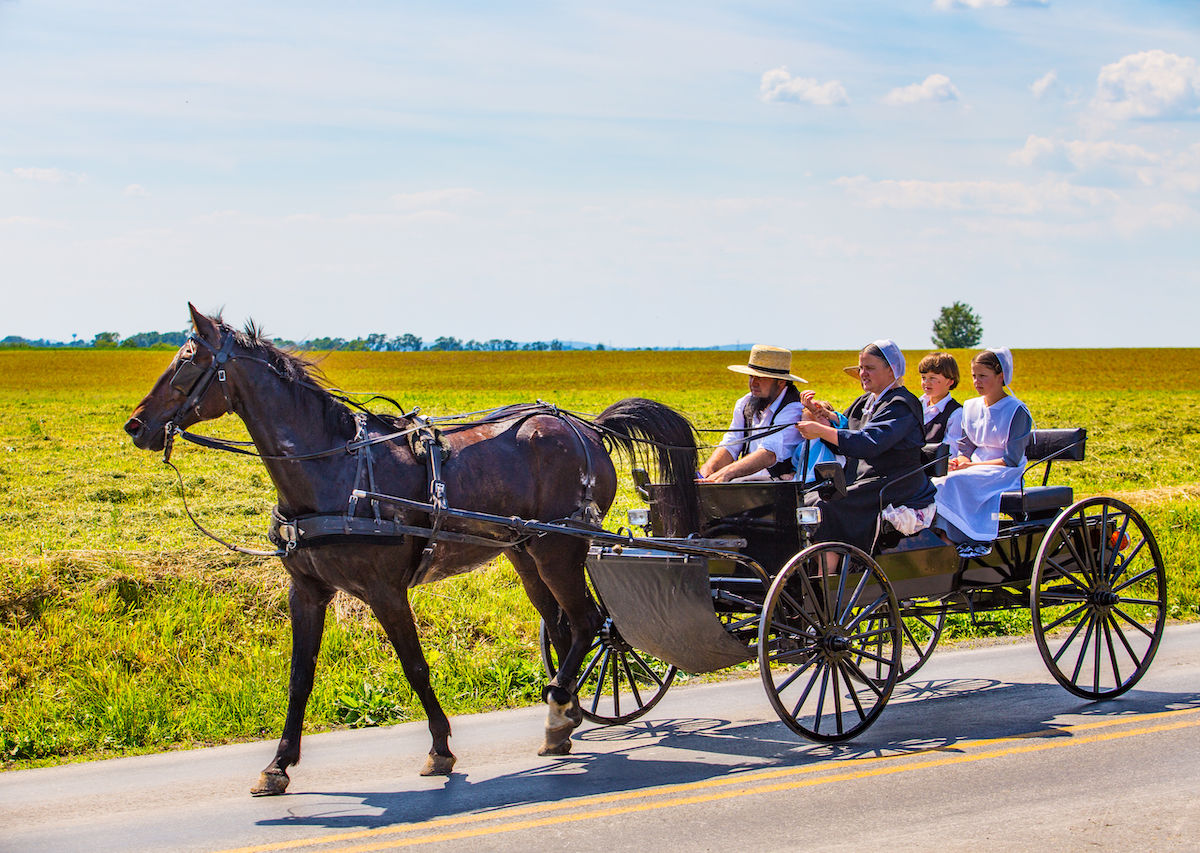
(394,613)
(307,602)
(554,580)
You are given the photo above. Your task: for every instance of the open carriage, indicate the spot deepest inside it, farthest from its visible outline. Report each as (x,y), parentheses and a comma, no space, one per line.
(833,629)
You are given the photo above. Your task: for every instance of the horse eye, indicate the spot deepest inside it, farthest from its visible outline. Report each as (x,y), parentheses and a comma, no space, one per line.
(186,377)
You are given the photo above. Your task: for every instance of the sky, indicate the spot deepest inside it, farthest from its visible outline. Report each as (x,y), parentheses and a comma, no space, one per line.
(813,175)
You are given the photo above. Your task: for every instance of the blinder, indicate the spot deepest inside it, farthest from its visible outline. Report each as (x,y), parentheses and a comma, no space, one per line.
(192,381)
(186,377)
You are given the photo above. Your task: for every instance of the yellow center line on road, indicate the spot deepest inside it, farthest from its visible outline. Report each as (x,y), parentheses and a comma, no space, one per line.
(742,784)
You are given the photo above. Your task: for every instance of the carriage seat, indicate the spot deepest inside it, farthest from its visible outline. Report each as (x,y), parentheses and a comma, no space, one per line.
(1044,447)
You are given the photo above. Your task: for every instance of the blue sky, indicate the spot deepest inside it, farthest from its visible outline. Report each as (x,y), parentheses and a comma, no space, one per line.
(808,174)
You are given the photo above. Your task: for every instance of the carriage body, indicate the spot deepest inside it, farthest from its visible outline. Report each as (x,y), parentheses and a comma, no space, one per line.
(834,629)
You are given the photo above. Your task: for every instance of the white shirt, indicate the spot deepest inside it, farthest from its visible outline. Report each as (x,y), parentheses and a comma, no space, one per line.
(953,426)
(781,443)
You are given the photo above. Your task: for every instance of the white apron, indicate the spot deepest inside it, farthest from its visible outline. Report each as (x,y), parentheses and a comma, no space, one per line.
(970,497)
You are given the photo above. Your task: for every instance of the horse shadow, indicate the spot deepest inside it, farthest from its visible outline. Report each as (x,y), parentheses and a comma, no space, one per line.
(652,753)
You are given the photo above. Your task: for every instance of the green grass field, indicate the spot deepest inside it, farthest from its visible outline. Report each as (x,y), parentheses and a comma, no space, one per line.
(122,630)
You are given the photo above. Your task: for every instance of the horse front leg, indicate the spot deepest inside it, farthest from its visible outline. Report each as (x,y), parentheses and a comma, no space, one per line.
(307,602)
(394,613)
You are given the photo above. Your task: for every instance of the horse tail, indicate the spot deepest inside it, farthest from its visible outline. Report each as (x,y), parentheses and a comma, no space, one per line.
(643,429)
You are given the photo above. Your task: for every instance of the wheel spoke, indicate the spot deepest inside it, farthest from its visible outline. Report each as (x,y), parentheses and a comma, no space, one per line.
(1126,563)
(1071,637)
(1112,653)
(1084,649)
(601,680)
(843,574)
(787,682)
(807,689)
(644,667)
(1124,640)
(616,688)
(1071,615)
(868,681)
(837,699)
(1111,564)
(854,692)
(633,688)
(1067,534)
(591,664)
(854,596)
(1069,576)
(821,698)
(1119,612)
(1138,578)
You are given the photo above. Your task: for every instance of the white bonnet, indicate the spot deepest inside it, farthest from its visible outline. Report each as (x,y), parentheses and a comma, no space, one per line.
(1004,355)
(892,355)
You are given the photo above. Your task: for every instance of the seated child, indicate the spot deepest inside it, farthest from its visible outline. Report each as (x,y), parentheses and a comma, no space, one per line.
(943,414)
(991,457)
(817,450)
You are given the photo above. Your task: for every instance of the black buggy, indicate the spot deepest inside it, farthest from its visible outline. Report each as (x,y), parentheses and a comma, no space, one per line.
(834,628)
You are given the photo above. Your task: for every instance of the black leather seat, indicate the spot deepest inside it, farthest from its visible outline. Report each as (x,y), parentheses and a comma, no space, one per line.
(1046,446)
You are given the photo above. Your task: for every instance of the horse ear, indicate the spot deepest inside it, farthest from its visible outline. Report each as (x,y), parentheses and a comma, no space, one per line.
(205,327)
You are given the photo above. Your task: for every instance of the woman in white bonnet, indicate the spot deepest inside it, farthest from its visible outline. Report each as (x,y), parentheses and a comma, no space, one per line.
(996,428)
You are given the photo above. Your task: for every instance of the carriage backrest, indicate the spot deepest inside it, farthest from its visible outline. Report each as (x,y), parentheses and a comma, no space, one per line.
(1065,444)
(935,458)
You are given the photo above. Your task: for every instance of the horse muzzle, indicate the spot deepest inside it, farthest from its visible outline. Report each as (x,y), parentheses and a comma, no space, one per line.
(143,437)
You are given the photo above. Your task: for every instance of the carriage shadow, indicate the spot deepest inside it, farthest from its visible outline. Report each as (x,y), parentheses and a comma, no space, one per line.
(652,753)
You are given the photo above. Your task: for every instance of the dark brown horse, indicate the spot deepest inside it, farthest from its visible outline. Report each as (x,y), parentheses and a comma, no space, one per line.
(529,462)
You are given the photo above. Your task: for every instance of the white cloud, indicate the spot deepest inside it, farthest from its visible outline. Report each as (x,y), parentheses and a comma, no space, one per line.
(1044,84)
(996,197)
(1151,84)
(136,191)
(434,198)
(48,176)
(779,85)
(1079,154)
(935,87)
(947,5)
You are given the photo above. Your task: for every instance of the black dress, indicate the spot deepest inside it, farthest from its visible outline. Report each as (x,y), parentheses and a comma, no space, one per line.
(879,449)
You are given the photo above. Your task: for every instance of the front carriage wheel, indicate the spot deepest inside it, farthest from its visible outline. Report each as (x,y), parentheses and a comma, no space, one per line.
(617,683)
(830,642)
(1098,598)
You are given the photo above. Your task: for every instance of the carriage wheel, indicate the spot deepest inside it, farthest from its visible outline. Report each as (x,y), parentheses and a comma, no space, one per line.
(829,611)
(919,636)
(617,683)
(1098,598)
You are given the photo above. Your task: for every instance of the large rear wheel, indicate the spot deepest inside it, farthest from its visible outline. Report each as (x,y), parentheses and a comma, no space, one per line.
(830,642)
(1098,598)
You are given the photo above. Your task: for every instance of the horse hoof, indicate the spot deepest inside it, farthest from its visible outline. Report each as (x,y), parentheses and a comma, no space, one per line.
(270,784)
(438,765)
(558,741)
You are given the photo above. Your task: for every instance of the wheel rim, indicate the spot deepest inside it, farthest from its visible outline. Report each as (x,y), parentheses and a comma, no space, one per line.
(1098,598)
(617,683)
(829,611)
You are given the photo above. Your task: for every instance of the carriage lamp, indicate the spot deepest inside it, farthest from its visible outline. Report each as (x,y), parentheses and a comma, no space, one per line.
(639,517)
(808,516)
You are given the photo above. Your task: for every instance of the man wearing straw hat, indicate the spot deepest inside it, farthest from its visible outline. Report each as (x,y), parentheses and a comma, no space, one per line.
(773,401)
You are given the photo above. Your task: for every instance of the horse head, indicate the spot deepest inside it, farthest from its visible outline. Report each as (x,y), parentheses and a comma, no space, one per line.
(190,390)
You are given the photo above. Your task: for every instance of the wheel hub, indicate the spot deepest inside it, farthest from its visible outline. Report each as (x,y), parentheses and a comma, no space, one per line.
(1105,599)
(612,638)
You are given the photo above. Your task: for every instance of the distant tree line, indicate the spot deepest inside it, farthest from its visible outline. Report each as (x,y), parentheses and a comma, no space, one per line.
(374,342)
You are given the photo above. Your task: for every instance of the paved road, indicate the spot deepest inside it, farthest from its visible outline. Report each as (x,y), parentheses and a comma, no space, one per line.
(983,749)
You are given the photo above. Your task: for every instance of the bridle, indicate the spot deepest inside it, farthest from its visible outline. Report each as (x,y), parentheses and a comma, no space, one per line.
(193,381)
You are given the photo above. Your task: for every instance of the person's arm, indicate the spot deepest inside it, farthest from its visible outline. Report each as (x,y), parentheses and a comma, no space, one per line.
(718,460)
(954,431)
(752,464)
(890,423)
(1019,433)
(731,443)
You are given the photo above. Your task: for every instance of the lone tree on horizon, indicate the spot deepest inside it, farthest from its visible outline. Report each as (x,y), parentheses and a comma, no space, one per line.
(957,327)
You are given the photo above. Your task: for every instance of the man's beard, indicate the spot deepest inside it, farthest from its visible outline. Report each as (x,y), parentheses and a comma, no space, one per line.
(758,405)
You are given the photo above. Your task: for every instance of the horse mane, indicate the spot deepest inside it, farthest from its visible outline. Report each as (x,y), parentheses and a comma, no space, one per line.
(296,370)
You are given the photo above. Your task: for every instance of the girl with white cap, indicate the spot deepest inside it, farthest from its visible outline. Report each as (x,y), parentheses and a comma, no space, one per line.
(881,442)
(996,427)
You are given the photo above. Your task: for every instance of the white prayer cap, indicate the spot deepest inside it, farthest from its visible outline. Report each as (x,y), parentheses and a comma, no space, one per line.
(892,355)
(1004,356)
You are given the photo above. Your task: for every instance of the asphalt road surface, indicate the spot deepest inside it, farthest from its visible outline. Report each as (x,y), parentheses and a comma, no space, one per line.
(982,750)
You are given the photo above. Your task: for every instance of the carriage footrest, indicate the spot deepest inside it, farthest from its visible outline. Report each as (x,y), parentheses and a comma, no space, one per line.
(1036,499)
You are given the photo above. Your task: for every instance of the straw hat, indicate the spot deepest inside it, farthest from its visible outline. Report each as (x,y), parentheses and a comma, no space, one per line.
(769,363)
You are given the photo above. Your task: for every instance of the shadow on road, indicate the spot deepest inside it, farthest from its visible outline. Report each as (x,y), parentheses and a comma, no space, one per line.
(923,716)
